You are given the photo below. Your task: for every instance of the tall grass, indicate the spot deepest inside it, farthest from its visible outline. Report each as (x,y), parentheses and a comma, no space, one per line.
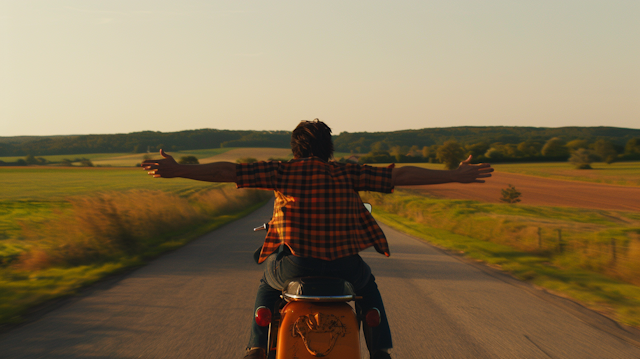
(607,242)
(111,225)
(93,236)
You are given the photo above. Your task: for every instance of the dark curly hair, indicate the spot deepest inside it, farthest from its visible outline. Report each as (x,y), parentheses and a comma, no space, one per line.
(312,138)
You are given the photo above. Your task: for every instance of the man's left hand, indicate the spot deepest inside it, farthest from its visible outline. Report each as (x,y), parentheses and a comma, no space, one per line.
(468,173)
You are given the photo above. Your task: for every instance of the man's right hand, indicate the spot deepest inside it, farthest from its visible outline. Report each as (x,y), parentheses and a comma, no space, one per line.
(165,168)
(210,172)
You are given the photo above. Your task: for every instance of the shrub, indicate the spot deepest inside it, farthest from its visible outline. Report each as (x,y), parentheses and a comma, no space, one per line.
(188,160)
(246,160)
(583,158)
(510,195)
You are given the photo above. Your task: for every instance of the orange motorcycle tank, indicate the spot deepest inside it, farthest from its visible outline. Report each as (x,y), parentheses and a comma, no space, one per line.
(312,330)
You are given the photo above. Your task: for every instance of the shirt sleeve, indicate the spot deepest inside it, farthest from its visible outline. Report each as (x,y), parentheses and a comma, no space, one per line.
(376,179)
(257,175)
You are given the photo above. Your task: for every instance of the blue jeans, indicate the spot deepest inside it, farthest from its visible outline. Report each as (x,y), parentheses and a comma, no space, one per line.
(282,266)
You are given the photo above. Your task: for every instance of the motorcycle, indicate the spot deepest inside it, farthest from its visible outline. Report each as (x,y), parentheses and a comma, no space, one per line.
(313,319)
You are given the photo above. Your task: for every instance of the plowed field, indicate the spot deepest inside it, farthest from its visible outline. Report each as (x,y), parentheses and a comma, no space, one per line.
(540,191)
(261,154)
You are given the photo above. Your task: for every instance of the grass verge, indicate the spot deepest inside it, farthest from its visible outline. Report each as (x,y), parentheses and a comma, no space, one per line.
(26,285)
(617,299)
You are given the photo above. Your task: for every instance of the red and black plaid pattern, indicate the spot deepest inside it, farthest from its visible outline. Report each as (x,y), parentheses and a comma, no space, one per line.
(318,212)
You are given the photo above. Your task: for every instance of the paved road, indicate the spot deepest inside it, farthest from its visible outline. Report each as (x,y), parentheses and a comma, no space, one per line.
(196,303)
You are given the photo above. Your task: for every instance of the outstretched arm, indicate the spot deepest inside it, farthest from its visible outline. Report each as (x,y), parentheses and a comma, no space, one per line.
(210,172)
(466,173)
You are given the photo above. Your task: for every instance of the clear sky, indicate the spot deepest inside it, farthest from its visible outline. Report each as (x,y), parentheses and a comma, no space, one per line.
(80,67)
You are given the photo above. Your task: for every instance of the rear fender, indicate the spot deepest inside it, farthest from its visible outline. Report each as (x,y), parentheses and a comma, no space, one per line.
(311,330)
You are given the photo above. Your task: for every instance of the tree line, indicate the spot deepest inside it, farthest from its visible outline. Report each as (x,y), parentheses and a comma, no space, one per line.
(494,144)
(141,142)
(580,152)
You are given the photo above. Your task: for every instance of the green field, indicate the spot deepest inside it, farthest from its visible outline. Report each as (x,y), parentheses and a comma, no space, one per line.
(56,183)
(39,193)
(620,173)
(58,158)
(65,227)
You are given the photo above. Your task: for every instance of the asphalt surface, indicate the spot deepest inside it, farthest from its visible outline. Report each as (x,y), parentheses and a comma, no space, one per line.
(197,302)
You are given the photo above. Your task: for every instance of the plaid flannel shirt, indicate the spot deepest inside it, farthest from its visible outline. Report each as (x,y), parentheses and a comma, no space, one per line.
(318,212)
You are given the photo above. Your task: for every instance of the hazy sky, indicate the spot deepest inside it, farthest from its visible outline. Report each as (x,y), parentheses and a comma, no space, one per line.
(79,67)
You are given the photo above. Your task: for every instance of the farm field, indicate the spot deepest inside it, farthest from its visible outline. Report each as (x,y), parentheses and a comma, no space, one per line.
(50,183)
(261,154)
(539,191)
(35,195)
(35,191)
(204,156)
(619,173)
(123,159)
(547,190)
(58,158)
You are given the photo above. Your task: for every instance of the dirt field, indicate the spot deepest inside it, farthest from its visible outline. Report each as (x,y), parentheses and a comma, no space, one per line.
(261,154)
(540,191)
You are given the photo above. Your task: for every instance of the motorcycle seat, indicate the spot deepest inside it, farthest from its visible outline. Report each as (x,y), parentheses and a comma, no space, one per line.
(319,289)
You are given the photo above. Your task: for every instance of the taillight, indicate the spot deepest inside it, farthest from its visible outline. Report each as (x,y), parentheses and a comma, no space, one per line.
(372,318)
(263,316)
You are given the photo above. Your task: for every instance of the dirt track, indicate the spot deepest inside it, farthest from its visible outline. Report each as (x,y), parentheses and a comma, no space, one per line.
(261,154)
(543,192)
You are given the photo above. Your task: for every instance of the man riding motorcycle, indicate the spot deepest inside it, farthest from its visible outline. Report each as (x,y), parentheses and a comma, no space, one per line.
(319,223)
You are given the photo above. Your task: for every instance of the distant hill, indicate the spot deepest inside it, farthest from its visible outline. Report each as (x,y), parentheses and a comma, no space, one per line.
(358,142)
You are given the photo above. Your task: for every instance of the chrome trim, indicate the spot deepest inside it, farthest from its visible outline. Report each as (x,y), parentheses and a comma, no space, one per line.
(308,298)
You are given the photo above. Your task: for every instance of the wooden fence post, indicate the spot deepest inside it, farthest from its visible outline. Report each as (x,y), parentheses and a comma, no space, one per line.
(560,249)
(539,238)
(613,251)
